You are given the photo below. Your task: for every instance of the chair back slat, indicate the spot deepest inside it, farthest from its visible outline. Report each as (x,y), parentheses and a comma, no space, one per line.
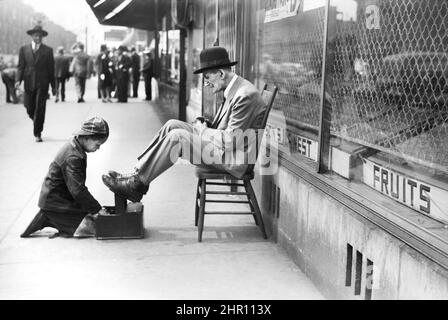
(268,96)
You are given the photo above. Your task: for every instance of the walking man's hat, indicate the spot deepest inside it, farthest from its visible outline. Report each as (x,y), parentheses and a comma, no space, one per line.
(37,28)
(214,58)
(123,48)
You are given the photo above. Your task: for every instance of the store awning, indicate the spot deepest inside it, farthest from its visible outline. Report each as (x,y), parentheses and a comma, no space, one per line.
(140,14)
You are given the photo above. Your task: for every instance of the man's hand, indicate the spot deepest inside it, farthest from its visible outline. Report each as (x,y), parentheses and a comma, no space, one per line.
(199,126)
(103,212)
(204,120)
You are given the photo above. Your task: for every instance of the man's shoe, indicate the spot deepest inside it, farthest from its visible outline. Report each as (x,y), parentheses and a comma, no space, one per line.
(39,139)
(56,100)
(117,175)
(128,187)
(39,222)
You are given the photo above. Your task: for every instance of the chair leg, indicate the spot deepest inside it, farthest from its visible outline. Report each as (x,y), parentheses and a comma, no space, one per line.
(252,209)
(201,210)
(196,211)
(257,211)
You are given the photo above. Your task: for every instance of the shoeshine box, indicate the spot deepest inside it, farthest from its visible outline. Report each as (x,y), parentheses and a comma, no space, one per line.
(124,221)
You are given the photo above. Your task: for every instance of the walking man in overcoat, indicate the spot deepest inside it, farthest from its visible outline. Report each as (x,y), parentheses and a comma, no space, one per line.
(61,73)
(36,69)
(80,68)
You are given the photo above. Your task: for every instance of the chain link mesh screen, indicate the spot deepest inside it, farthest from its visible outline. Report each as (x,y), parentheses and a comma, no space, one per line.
(227,26)
(390,75)
(291,59)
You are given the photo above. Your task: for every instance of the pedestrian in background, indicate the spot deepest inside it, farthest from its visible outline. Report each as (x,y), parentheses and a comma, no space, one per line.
(80,69)
(61,73)
(148,73)
(113,56)
(105,69)
(36,69)
(9,73)
(122,66)
(135,71)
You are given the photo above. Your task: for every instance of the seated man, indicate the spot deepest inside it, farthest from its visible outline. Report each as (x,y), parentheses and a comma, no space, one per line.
(242,111)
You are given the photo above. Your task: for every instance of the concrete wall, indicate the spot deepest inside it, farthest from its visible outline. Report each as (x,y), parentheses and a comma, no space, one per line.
(316,230)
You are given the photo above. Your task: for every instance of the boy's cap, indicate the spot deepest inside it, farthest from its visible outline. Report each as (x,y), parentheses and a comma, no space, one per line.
(92,126)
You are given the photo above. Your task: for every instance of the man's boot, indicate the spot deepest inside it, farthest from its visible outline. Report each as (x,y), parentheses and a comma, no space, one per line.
(128,186)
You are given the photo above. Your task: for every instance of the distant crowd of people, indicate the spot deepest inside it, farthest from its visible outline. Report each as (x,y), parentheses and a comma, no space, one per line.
(118,70)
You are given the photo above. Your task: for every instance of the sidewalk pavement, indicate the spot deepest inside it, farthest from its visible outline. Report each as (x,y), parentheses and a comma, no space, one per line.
(232,262)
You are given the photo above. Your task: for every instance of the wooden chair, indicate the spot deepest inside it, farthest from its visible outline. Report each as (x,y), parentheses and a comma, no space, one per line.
(205,175)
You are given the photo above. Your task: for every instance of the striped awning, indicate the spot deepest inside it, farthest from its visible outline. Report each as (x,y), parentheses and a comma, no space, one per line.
(140,14)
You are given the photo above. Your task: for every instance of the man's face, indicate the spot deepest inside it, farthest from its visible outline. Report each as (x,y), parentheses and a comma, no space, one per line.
(37,37)
(215,80)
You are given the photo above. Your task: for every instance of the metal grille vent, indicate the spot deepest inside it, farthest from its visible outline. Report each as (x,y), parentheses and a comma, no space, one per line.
(356,279)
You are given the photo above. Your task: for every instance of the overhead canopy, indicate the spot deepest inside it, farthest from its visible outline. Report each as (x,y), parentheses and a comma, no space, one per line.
(140,14)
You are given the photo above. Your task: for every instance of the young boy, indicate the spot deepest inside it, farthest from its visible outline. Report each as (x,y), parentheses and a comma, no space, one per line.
(64,199)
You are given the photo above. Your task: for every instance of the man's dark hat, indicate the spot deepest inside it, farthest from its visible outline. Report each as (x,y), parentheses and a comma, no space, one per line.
(37,28)
(214,58)
(123,48)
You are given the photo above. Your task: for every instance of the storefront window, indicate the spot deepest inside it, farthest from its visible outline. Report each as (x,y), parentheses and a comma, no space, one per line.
(290,54)
(169,51)
(195,98)
(388,66)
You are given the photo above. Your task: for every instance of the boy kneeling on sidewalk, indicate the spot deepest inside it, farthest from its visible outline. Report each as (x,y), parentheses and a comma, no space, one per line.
(64,200)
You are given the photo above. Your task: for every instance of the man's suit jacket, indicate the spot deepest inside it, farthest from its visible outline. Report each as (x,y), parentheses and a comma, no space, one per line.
(122,66)
(148,69)
(61,66)
(242,110)
(36,69)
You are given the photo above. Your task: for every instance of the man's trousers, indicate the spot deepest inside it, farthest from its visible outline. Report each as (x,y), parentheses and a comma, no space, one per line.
(135,81)
(80,84)
(175,139)
(60,86)
(148,88)
(35,103)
